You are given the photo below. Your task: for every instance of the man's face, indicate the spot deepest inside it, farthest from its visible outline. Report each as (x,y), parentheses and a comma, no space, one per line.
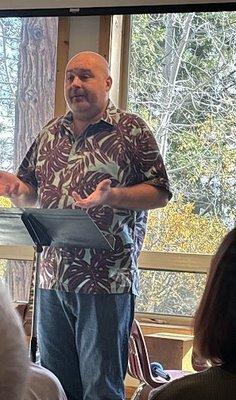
(87,84)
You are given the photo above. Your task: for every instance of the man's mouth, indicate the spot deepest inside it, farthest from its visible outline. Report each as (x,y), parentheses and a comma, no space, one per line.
(78,97)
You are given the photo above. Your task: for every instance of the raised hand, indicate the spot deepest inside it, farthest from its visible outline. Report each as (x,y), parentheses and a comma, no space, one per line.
(98,197)
(9,184)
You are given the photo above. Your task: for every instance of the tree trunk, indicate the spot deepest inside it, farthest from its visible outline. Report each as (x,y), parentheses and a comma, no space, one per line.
(36,81)
(34,107)
(173,57)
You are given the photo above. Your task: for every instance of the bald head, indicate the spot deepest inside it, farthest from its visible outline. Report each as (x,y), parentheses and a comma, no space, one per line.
(91,58)
(87,85)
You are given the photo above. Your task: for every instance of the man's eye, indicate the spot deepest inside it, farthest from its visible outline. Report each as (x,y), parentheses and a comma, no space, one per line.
(70,78)
(85,76)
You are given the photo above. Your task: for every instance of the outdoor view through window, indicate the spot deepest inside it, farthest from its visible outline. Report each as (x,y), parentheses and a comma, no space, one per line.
(182,81)
(27,89)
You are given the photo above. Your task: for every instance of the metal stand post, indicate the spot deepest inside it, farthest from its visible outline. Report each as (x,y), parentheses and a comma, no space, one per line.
(33,340)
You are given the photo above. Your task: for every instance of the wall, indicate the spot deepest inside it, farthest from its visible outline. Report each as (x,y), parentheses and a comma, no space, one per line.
(86,28)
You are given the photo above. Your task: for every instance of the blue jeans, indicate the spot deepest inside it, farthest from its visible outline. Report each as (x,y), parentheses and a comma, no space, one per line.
(83,339)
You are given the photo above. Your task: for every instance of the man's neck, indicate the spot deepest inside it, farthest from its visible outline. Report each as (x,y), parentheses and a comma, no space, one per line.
(79,126)
(81,122)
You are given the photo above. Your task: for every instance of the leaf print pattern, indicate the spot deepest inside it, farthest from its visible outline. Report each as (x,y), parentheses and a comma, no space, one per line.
(119,147)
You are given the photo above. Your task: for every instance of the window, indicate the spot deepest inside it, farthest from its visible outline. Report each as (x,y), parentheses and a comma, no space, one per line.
(182,82)
(28,55)
(170,293)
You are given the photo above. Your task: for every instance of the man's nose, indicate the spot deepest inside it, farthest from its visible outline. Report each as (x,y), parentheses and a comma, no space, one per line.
(77,82)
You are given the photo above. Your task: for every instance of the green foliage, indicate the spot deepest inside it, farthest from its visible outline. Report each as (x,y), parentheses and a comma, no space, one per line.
(178,228)
(171,293)
(206,159)
(182,82)
(5,202)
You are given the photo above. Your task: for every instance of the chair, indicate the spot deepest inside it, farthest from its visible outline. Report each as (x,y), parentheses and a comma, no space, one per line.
(139,366)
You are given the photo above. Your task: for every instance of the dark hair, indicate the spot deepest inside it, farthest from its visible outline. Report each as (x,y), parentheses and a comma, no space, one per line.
(215,319)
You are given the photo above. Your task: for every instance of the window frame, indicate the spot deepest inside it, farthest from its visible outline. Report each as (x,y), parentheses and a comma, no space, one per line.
(17,253)
(148,260)
(62,60)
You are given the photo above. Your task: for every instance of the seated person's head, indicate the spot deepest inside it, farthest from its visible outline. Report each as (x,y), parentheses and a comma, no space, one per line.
(215,320)
(14,363)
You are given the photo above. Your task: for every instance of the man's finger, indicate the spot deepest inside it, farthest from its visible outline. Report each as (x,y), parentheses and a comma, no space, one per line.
(76,196)
(104,185)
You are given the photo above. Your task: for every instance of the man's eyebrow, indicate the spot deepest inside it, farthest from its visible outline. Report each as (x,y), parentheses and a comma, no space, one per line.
(79,71)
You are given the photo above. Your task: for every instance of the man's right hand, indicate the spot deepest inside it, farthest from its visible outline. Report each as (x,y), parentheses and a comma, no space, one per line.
(9,185)
(19,192)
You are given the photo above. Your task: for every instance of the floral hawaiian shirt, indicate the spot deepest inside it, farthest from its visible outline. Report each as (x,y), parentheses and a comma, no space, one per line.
(119,147)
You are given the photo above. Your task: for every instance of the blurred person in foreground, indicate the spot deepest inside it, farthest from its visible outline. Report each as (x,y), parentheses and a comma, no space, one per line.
(214,334)
(19,378)
(14,363)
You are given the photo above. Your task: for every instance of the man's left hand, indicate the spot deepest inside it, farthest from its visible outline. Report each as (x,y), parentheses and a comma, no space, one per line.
(97,198)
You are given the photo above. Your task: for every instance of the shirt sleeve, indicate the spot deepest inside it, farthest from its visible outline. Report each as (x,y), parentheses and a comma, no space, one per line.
(147,161)
(26,170)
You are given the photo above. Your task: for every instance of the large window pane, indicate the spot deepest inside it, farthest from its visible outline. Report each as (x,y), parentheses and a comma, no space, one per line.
(21,274)
(27,90)
(171,293)
(182,82)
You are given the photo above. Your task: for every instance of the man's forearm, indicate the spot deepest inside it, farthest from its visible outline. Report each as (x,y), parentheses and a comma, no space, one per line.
(137,197)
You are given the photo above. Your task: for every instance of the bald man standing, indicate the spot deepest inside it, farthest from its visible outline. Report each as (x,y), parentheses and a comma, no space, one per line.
(106,161)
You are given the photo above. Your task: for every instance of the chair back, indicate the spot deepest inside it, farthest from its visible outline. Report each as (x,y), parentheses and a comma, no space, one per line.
(138,362)
(139,365)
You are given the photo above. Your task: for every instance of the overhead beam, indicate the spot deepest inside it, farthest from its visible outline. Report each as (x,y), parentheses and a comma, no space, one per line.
(75,4)
(113,7)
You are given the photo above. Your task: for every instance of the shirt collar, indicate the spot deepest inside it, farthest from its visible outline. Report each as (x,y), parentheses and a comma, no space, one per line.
(110,114)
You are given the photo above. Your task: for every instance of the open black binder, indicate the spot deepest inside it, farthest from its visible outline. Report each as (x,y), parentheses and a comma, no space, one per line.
(49,227)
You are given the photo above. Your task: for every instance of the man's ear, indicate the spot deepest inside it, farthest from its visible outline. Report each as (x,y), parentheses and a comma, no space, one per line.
(109,83)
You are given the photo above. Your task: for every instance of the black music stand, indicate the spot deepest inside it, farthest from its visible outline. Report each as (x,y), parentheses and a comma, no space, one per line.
(49,227)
